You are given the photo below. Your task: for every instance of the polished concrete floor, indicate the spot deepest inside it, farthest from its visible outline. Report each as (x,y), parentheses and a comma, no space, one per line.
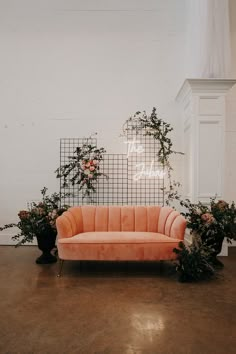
(112,308)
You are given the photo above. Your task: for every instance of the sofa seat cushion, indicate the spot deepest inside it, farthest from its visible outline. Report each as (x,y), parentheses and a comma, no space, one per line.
(97,237)
(120,246)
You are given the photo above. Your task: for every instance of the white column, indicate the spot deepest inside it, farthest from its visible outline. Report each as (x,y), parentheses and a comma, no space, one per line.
(203,109)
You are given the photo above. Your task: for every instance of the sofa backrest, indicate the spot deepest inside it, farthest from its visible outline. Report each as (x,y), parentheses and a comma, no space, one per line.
(89,218)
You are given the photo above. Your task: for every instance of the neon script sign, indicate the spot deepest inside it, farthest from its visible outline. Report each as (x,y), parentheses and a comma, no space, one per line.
(144,170)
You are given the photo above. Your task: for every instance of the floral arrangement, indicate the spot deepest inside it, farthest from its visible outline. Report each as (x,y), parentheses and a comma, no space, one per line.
(216,221)
(39,219)
(83,169)
(90,169)
(209,224)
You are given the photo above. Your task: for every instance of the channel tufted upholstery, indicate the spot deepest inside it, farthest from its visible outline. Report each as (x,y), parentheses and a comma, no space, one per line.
(119,233)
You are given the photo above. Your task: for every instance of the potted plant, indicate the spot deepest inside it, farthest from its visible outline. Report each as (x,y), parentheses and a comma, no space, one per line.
(39,222)
(212,223)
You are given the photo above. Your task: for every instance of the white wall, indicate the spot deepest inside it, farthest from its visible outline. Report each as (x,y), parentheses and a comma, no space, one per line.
(72,67)
(230,156)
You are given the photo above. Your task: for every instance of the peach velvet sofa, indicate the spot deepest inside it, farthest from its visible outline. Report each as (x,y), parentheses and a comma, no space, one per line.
(123,233)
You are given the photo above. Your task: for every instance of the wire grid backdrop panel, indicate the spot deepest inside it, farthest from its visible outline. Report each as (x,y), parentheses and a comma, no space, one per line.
(67,149)
(129,181)
(114,189)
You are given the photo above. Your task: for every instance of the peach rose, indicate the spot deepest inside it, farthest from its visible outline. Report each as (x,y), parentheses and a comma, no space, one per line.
(23,214)
(208,218)
(95,162)
(90,176)
(92,168)
(221,204)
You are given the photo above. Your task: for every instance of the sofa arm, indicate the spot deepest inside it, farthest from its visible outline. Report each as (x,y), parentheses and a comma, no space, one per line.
(178,228)
(70,223)
(63,225)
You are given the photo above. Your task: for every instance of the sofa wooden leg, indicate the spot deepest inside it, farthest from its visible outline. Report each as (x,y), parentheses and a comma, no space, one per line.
(60,267)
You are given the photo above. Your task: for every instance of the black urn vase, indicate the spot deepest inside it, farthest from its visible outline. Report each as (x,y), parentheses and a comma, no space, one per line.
(46,242)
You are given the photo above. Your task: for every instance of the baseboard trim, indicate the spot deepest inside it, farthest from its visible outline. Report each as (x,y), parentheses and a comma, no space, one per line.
(6,240)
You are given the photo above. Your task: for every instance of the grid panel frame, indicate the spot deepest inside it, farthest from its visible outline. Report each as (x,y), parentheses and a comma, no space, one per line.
(120,188)
(67,149)
(148,190)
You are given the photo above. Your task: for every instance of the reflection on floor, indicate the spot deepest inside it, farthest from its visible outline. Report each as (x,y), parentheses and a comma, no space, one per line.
(106,308)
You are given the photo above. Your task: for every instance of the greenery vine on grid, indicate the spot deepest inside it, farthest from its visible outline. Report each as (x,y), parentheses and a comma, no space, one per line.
(152,125)
(83,169)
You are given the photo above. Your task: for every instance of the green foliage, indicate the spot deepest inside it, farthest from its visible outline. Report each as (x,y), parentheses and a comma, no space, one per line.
(154,126)
(209,225)
(39,219)
(82,169)
(194,262)
(212,221)
(172,193)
